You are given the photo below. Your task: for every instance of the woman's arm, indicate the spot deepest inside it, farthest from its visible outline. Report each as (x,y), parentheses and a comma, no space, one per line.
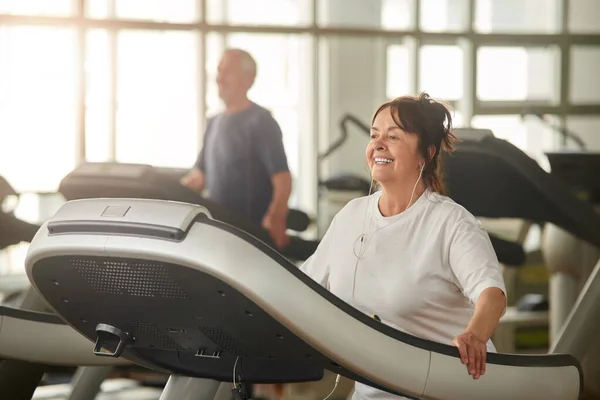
(489,308)
(472,343)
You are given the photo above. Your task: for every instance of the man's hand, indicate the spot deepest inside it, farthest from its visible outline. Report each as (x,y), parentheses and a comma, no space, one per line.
(194,180)
(276,224)
(473,352)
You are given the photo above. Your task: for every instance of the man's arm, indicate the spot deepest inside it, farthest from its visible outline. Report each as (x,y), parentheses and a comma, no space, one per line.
(272,154)
(282,188)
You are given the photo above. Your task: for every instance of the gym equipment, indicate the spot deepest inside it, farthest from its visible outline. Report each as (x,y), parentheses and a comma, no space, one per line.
(14,230)
(108,180)
(493,178)
(148,182)
(563,132)
(31,339)
(165,285)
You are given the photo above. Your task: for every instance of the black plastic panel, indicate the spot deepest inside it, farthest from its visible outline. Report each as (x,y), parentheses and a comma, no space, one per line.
(493,178)
(176,314)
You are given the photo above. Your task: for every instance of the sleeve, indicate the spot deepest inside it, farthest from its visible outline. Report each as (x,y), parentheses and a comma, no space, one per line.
(199,164)
(317,266)
(473,260)
(270,147)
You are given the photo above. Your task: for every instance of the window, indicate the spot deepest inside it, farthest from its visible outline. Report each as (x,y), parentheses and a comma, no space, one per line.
(444,15)
(38,113)
(441,71)
(343,61)
(530,134)
(517,16)
(518,73)
(584,77)
(583,16)
(172,11)
(587,128)
(260,12)
(158,110)
(56,8)
(386,14)
(398,82)
(97,9)
(98,107)
(397,14)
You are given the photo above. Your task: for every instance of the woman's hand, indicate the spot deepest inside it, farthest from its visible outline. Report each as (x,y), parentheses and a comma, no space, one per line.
(473,353)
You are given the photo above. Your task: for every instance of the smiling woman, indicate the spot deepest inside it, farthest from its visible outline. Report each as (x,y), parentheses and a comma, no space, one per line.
(420,262)
(407,136)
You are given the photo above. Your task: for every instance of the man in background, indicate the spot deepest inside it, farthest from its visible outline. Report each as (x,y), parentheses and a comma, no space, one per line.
(243,165)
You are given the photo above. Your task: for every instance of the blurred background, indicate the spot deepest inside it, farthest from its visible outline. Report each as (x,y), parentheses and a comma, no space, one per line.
(133,81)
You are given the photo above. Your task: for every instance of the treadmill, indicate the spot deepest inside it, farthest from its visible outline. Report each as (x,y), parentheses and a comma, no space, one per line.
(31,337)
(126,180)
(493,178)
(167,286)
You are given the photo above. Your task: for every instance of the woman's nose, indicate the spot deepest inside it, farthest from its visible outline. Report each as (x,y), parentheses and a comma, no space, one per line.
(378,144)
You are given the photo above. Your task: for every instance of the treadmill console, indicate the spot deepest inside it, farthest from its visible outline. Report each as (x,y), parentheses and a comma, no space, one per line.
(579,171)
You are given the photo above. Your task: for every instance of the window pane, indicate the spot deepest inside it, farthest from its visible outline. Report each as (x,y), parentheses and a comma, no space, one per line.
(587,127)
(215,46)
(446,82)
(352,80)
(38,97)
(398,71)
(96,9)
(38,7)
(382,14)
(524,16)
(529,134)
(518,73)
(98,97)
(585,78)
(444,15)
(157,95)
(182,11)
(260,12)
(397,14)
(280,86)
(583,16)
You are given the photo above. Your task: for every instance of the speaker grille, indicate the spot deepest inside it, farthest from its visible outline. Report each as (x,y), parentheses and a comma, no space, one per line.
(152,335)
(223,340)
(129,278)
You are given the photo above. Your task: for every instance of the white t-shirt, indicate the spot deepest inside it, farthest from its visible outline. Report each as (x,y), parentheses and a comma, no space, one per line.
(420,271)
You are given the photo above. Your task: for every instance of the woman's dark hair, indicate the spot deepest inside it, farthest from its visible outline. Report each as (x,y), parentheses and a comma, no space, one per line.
(431,121)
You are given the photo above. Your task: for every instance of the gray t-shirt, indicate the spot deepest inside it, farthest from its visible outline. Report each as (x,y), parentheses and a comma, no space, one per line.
(240,154)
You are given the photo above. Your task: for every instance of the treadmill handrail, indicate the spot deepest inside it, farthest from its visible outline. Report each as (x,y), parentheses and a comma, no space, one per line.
(195,255)
(34,316)
(36,252)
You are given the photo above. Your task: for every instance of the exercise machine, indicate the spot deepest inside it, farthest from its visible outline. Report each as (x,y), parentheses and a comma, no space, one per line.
(167,286)
(151,182)
(122,180)
(32,339)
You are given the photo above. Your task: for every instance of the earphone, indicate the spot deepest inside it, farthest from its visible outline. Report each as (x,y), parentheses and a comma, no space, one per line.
(360,240)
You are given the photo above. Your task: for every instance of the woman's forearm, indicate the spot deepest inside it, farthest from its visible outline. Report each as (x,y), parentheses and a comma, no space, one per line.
(488,310)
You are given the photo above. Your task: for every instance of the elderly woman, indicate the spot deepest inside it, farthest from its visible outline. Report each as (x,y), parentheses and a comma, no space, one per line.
(408,253)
